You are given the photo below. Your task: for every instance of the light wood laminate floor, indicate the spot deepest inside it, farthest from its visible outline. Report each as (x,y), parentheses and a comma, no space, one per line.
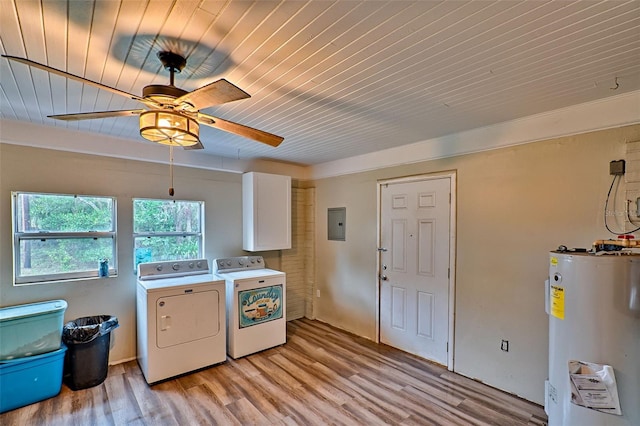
(321,376)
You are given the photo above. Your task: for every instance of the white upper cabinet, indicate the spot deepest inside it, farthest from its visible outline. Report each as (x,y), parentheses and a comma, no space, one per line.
(266,211)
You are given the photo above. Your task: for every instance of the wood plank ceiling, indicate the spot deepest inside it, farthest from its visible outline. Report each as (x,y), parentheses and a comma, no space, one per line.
(335,78)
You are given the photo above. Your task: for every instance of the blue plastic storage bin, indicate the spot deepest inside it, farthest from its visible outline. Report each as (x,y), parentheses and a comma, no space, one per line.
(24,381)
(31,329)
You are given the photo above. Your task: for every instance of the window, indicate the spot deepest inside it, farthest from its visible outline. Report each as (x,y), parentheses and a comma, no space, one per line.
(62,237)
(167,230)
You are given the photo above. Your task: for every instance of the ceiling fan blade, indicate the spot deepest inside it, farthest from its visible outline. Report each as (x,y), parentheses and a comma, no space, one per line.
(239,129)
(196,146)
(73,77)
(216,93)
(96,114)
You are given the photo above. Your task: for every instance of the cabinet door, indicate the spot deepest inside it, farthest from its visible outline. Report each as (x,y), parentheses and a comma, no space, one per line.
(266,205)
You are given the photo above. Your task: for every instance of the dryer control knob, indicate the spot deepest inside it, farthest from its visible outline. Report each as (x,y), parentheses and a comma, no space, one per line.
(159,268)
(191,265)
(199,264)
(259,260)
(240,262)
(253,261)
(228,263)
(175,266)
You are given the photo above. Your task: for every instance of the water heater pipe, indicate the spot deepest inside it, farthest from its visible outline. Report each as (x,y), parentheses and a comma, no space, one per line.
(620,243)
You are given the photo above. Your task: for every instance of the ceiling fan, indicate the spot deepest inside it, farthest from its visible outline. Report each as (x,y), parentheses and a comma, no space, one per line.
(173,115)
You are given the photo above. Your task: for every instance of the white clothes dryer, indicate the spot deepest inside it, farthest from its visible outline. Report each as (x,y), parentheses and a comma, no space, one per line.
(256,305)
(181,318)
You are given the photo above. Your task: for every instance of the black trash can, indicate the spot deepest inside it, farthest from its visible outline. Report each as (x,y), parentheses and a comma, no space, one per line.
(87,359)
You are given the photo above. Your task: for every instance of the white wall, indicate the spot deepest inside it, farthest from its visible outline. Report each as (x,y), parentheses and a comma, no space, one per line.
(39,170)
(514,205)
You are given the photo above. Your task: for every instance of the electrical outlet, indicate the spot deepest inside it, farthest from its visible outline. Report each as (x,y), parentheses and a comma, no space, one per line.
(504,345)
(318,293)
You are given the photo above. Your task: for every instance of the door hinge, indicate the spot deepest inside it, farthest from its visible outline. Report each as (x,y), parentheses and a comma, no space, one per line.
(447,347)
(448,272)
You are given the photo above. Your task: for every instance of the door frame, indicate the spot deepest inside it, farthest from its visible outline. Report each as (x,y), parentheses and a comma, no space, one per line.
(451,174)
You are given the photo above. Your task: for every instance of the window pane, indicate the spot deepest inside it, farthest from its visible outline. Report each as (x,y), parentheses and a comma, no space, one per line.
(63,213)
(153,249)
(63,255)
(166,216)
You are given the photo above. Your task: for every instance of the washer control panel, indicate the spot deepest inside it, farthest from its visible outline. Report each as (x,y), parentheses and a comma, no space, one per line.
(172,268)
(239,263)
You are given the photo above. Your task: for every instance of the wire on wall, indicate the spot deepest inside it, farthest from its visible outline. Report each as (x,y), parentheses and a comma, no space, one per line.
(606,211)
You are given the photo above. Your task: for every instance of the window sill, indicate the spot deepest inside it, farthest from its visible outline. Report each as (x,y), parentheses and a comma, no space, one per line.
(64,280)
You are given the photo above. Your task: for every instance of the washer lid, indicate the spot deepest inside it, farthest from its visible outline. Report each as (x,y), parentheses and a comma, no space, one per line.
(192,281)
(249,274)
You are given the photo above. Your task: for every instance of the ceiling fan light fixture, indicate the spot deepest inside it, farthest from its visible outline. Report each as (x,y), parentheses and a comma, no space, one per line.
(169,128)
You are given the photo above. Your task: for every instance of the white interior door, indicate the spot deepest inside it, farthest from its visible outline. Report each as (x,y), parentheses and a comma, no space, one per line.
(414,267)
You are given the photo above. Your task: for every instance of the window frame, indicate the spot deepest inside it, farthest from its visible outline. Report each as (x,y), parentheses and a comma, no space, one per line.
(18,237)
(151,234)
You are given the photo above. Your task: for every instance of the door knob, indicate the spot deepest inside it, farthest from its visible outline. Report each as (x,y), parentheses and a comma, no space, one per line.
(383,277)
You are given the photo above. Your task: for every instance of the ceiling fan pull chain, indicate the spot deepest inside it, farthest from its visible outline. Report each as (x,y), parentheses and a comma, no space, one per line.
(171,169)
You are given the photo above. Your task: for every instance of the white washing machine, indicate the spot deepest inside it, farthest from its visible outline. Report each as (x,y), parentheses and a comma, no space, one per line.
(181,318)
(256,305)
